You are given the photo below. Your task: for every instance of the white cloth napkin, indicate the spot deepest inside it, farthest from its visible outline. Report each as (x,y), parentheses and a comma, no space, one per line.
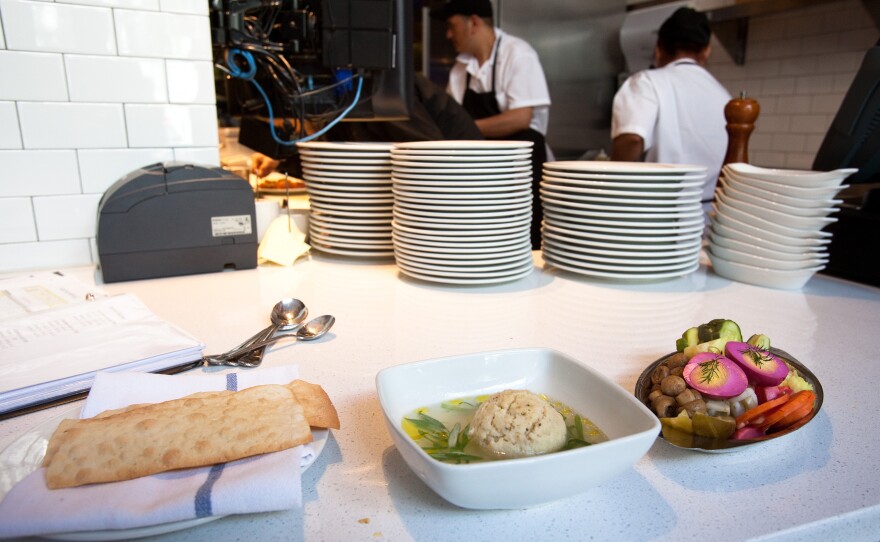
(258,484)
(283,243)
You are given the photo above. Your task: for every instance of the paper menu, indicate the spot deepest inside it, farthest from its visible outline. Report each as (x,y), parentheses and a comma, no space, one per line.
(56,352)
(20,296)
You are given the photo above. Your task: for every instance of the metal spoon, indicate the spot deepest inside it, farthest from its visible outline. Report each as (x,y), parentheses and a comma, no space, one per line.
(314,329)
(286,314)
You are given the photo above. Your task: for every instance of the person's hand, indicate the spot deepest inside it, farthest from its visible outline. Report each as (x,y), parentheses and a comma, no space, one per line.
(262,165)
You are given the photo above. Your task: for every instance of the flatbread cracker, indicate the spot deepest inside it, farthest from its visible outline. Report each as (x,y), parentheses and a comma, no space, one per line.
(183,433)
(317,405)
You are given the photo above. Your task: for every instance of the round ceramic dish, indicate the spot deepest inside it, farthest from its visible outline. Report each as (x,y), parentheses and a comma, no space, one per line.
(762,276)
(704,444)
(794,177)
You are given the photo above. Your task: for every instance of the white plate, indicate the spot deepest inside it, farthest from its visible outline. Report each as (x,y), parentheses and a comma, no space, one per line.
(350,176)
(574,177)
(311,154)
(445,225)
(629,263)
(716,239)
(466,188)
(760,261)
(623,230)
(786,226)
(464,202)
(464,145)
(627,168)
(484,275)
(595,273)
(507,177)
(501,183)
(356,196)
(345,146)
(375,207)
(462,240)
(631,246)
(354,253)
(455,164)
(774,216)
(631,209)
(642,186)
(634,191)
(786,190)
(627,266)
(463,172)
(453,247)
(320,167)
(318,230)
(471,231)
(630,222)
(456,198)
(428,159)
(382,189)
(733,196)
(342,241)
(346,181)
(463,259)
(759,276)
(464,268)
(357,212)
(501,207)
(793,177)
(25,454)
(330,163)
(425,154)
(334,218)
(577,235)
(761,195)
(575,250)
(682,198)
(741,232)
(463,219)
(324,222)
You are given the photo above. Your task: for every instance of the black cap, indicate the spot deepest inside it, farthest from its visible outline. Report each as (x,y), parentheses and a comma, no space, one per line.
(686,25)
(480,8)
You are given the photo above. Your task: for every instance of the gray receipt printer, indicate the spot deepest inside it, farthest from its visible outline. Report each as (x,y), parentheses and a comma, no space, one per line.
(176,219)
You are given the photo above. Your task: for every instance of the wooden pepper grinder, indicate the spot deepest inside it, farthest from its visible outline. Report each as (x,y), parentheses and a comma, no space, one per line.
(741,114)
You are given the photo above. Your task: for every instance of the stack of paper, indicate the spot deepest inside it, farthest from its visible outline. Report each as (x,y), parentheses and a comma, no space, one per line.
(51,344)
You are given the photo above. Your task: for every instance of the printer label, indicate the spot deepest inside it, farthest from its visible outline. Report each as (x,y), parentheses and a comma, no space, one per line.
(224,226)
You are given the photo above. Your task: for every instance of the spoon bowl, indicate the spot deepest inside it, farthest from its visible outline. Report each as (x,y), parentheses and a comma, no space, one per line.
(315,328)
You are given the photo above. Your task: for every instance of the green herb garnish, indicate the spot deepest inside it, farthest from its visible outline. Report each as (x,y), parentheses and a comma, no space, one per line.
(444,445)
(709,370)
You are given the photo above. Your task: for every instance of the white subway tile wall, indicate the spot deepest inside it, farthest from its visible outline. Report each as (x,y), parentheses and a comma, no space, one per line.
(10,135)
(799,65)
(92,90)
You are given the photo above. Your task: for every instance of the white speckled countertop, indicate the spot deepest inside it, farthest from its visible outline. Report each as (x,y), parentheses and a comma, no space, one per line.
(821,482)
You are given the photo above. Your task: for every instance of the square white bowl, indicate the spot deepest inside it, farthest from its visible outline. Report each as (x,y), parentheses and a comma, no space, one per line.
(518,483)
(792,177)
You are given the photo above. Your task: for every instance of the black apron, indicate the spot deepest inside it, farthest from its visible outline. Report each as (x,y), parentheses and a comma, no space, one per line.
(483,104)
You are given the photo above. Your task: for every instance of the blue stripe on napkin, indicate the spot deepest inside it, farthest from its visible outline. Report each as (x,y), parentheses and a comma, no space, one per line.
(203,495)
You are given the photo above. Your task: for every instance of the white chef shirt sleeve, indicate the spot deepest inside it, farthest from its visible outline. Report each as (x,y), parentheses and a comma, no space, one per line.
(635,109)
(526,85)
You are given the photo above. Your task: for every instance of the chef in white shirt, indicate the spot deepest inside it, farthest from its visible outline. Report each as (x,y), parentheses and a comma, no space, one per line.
(675,111)
(498,79)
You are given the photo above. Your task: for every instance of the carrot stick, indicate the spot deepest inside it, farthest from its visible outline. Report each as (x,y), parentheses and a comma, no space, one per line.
(759,411)
(795,404)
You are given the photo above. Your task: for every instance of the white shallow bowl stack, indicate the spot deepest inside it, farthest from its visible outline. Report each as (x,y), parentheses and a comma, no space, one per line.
(767,227)
(622,221)
(350,198)
(462,210)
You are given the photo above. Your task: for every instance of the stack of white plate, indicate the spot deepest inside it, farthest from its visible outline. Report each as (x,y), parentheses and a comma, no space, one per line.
(622,220)
(767,228)
(462,210)
(350,198)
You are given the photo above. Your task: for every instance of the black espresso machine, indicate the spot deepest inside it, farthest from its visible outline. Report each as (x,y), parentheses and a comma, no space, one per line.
(176,219)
